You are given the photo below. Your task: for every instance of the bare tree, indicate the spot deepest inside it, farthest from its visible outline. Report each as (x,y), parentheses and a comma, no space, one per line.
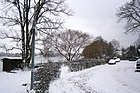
(137,42)
(130,12)
(43,15)
(69,42)
(44,46)
(6,47)
(115,44)
(116,47)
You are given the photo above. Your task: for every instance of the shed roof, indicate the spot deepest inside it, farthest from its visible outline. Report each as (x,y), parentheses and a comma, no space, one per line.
(11,58)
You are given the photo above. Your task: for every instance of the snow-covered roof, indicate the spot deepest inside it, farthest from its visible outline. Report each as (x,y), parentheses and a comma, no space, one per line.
(12,57)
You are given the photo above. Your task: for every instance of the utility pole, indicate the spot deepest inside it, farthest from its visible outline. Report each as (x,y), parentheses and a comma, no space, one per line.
(33,50)
(33,57)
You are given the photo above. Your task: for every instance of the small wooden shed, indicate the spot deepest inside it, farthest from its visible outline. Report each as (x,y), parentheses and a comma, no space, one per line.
(11,63)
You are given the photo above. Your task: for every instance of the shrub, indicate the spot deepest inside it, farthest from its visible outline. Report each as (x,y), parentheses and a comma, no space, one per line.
(44,75)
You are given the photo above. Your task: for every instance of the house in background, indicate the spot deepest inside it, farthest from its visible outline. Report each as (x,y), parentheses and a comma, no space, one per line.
(10,63)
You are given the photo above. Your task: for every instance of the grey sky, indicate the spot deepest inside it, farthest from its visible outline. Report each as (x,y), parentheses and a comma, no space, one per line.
(98,18)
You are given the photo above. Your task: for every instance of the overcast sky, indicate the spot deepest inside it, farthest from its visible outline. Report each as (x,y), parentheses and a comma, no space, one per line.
(98,18)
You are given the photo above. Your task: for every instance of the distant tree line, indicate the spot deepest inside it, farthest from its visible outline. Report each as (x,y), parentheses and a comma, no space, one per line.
(131,52)
(10,54)
(73,44)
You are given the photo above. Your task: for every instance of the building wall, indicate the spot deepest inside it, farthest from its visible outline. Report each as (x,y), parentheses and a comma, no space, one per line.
(1,66)
(11,64)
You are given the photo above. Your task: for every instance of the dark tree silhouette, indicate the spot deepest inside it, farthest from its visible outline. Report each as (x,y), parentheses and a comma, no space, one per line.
(22,16)
(99,48)
(130,12)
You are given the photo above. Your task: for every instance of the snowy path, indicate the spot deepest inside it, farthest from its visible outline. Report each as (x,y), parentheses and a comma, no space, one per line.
(119,78)
(12,82)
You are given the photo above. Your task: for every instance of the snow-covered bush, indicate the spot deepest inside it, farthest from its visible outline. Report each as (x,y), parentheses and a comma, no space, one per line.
(77,66)
(44,75)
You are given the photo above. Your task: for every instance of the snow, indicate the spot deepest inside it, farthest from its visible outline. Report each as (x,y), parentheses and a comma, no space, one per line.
(32,91)
(11,57)
(12,82)
(118,78)
(64,71)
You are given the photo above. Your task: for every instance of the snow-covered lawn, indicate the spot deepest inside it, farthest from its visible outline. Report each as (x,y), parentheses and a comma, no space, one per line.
(119,78)
(12,82)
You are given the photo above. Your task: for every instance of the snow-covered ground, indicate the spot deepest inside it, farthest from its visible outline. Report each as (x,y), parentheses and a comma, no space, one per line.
(12,82)
(119,78)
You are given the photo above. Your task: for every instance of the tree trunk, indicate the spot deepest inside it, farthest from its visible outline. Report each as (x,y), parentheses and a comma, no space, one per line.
(23,45)
(28,56)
